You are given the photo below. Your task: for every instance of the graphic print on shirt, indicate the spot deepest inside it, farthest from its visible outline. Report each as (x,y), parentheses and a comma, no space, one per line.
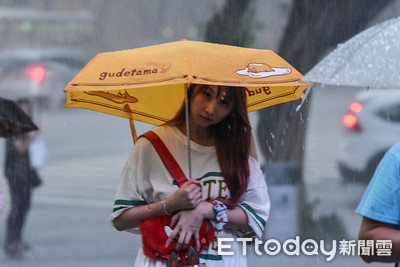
(213,186)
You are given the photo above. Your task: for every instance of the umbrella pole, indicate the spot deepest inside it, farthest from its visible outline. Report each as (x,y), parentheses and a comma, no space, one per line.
(187,129)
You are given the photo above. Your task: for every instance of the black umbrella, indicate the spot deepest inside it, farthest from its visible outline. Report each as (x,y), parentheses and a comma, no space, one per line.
(13,120)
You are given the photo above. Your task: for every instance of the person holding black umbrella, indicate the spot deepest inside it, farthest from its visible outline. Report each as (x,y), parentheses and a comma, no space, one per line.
(19,174)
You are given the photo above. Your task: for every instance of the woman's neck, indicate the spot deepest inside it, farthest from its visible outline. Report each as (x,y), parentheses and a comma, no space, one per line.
(201,136)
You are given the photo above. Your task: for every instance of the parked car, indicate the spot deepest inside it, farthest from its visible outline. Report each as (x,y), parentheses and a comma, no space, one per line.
(40,74)
(372,126)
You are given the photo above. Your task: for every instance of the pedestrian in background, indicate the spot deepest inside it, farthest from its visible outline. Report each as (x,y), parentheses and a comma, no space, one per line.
(380,208)
(21,177)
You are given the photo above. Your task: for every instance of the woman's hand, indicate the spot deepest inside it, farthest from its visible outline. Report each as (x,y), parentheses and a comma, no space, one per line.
(188,224)
(188,196)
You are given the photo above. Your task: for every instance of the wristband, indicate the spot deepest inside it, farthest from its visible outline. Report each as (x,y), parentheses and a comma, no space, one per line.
(164,206)
(221,218)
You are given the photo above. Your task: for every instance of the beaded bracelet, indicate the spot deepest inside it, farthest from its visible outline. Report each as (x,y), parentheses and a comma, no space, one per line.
(221,218)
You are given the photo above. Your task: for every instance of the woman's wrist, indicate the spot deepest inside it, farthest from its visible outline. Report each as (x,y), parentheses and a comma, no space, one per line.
(206,209)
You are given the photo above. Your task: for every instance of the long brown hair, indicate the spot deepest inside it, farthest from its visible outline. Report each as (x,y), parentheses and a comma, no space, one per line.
(232,142)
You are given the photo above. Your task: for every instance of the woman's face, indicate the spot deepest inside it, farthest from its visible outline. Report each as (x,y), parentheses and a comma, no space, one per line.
(210,105)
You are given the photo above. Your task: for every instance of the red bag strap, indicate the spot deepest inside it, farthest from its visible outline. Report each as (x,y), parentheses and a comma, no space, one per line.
(166,156)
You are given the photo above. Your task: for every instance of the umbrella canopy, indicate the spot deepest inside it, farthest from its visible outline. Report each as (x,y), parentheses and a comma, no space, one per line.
(13,120)
(148,84)
(369,59)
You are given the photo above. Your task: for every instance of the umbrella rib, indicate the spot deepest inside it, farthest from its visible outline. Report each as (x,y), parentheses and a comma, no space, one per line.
(182,77)
(122,109)
(247,82)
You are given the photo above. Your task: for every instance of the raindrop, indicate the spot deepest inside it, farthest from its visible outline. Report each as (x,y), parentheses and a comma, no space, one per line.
(301,118)
(272,135)
(168,32)
(65,119)
(268,146)
(192,32)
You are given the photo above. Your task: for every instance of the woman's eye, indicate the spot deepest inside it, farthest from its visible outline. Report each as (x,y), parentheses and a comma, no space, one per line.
(207,94)
(225,102)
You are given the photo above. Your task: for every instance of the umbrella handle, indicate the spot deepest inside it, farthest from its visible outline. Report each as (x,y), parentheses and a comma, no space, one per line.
(133,130)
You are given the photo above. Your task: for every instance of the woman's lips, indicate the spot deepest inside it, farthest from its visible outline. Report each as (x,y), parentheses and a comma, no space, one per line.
(206,119)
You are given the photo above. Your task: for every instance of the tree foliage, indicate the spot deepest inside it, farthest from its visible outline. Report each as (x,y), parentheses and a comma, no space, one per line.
(313,29)
(232,24)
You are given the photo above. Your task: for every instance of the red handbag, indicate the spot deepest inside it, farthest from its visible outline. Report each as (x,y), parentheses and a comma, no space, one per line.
(155,232)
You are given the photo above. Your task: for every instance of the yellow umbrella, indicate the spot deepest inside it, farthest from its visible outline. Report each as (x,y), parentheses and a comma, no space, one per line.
(149,84)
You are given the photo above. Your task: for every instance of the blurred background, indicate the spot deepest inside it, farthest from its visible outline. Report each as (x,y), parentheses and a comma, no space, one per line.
(315,179)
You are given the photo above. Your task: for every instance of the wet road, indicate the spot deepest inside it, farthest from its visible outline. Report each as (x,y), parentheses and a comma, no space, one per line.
(68,223)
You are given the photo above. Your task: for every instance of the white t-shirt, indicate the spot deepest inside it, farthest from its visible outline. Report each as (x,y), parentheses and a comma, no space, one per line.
(145,179)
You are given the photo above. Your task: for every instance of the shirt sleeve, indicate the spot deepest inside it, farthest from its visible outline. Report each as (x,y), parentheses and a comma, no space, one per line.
(132,186)
(255,202)
(381,200)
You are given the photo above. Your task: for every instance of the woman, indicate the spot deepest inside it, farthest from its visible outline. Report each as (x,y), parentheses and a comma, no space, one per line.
(18,173)
(221,143)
